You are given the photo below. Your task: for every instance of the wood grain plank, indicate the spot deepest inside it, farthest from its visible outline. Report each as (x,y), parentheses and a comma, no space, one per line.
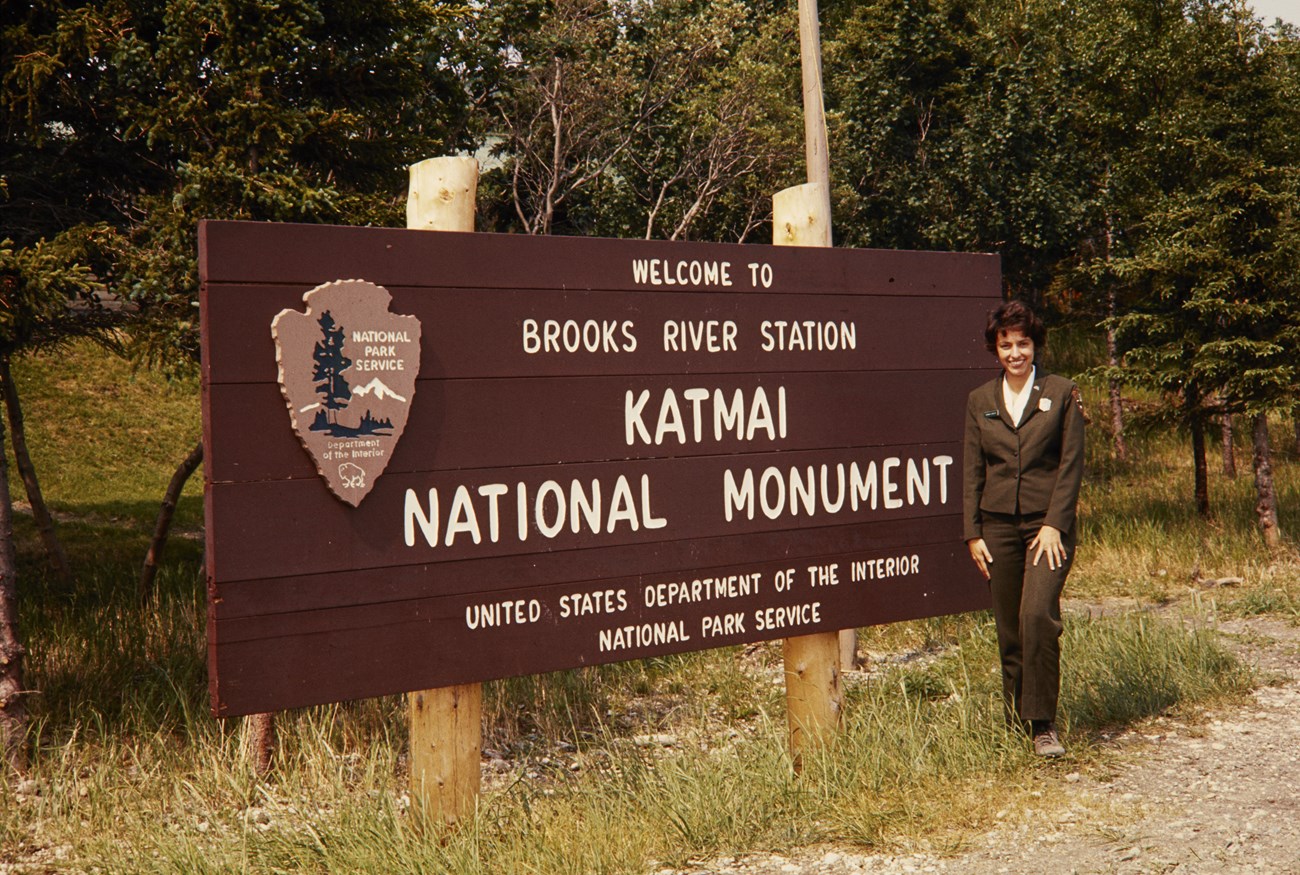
(458,424)
(479,333)
(277,528)
(295,254)
(430,646)
(302,592)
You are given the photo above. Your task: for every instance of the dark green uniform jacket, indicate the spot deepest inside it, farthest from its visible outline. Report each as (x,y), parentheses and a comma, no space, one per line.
(1034,468)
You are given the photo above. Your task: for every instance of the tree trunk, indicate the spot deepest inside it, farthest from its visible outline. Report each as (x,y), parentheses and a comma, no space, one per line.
(13,711)
(1198,462)
(54,551)
(1229,451)
(1265,492)
(1295,425)
(1116,403)
(163,526)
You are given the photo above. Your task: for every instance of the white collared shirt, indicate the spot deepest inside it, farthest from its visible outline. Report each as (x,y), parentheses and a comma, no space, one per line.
(1017,401)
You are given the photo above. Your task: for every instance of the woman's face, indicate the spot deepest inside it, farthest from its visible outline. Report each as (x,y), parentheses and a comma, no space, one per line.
(1015,353)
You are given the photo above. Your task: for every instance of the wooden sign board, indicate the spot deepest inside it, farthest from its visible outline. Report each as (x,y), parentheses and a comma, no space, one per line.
(613,449)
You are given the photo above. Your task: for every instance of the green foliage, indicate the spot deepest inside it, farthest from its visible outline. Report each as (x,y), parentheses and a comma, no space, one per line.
(676,119)
(47,299)
(141,118)
(956,126)
(107,464)
(1137,666)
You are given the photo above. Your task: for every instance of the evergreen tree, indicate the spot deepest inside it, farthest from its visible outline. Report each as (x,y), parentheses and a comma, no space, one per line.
(138,119)
(1218,328)
(330,365)
(125,122)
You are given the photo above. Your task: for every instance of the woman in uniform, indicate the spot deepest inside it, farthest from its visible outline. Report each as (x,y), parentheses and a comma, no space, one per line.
(1023,469)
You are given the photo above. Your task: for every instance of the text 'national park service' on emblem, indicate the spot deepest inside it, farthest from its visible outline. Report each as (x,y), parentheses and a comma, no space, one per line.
(347,372)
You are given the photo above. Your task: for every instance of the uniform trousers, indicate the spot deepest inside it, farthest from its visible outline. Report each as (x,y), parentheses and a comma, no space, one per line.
(1027,608)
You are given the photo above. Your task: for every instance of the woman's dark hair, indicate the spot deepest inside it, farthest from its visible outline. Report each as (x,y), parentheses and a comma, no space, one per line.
(1014,316)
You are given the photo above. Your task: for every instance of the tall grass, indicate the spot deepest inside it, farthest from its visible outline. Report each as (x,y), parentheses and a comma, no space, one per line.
(615,769)
(134,776)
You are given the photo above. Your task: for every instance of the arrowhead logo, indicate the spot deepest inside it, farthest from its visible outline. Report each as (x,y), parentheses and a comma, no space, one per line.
(347,372)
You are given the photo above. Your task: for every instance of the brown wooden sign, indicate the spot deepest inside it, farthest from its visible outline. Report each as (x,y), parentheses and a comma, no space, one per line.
(612,449)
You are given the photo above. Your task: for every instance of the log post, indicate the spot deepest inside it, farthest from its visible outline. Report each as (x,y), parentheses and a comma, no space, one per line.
(818,160)
(813,696)
(801,217)
(816,150)
(445,724)
(258,742)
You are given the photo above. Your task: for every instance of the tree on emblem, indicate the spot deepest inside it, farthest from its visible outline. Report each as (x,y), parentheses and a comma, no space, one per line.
(328,375)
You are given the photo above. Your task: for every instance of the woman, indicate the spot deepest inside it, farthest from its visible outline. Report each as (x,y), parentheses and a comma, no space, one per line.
(1023,468)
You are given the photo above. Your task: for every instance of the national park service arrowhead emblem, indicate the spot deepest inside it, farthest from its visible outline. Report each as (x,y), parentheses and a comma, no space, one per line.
(347,373)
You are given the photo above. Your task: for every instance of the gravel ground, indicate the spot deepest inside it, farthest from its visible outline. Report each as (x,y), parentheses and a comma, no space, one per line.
(1216,796)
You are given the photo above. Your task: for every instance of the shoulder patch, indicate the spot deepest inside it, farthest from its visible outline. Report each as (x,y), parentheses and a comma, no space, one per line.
(1078,402)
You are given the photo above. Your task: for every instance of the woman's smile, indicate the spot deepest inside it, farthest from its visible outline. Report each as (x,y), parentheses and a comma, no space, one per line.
(1015,353)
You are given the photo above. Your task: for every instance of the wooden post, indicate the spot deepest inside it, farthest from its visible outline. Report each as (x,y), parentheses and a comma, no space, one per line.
(446,731)
(800,217)
(443,194)
(813,697)
(816,151)
(258,742)
(817,156)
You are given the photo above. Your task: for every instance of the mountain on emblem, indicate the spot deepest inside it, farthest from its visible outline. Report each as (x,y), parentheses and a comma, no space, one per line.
(330,358)
(381,391)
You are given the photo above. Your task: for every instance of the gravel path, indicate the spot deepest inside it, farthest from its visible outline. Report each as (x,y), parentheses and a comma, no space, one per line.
(1220,796)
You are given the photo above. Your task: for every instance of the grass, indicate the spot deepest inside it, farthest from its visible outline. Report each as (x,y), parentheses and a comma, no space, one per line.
(617,769)
(103,470)
(139,773)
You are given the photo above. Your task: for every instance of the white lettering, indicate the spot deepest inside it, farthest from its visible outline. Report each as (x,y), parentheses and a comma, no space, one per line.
(462,518)
(572,336)
(413,513)
(758,419)
(787,615)
(645,635)
(709,336)
(808,336)
(812,490)
(889,486)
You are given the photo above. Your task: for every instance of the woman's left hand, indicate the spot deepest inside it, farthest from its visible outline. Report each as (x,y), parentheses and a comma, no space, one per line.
(1048,540)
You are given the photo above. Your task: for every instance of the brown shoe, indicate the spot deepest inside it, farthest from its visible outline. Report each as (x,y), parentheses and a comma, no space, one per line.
(1046,741)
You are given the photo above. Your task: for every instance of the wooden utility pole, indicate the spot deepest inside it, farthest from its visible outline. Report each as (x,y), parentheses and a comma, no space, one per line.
(816,152)
(446,731)
(817,157)
(801,216)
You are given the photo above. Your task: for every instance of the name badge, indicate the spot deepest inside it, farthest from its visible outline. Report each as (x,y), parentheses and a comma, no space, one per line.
(990,414)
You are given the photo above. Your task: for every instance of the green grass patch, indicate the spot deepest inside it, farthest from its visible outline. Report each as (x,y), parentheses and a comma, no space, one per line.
(105,438)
